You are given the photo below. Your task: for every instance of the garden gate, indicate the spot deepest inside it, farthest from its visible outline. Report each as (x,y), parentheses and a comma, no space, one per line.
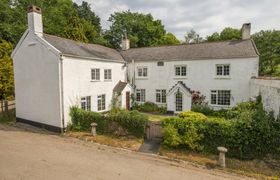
(154,130)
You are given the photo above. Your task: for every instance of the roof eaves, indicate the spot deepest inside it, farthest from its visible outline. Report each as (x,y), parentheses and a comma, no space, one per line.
(93,58)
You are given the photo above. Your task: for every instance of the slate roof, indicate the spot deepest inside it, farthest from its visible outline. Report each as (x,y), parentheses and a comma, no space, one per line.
(207,50)
(74,48)
(120,86)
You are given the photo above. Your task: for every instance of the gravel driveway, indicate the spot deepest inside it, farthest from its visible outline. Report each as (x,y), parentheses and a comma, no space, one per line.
(26,155)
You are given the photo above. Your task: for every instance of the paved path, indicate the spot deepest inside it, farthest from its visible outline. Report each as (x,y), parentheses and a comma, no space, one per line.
(34,156)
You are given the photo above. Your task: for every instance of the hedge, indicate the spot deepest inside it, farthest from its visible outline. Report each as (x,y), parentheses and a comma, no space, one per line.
(253,134)
(131,121)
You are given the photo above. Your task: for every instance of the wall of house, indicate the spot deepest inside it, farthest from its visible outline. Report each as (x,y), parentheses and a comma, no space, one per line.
(201,76)
(77,82)
(123,96)
(269,89)
(36,70)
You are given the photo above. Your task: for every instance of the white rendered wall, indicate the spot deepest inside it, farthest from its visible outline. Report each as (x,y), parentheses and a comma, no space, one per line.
(36,72)
(201,76)
(77,82)
(270,92)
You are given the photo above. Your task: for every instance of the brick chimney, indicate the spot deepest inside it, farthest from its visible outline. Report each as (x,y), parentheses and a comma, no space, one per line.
(35,23)
(246,31)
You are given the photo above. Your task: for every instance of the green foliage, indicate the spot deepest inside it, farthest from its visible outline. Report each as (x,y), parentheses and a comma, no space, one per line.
(249,133)
(226,34)
(192,37)
(192,116)
(6,71)
(268,44)
(132,121)
(141,29)
(150,107)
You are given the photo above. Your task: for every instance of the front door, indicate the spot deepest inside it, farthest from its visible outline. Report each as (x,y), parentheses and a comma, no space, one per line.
(179,101)
(127,97)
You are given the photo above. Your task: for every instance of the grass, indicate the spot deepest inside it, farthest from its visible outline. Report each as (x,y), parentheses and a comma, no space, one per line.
(155,117)
(255,168)
(9,117)
(131,143)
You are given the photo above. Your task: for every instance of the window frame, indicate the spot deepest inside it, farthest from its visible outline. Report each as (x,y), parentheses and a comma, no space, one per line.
(177,102)
(107,74)
(95,72)
(101,102)
(143,70)
(220,98)
(142,95)
(161,96)
(223,71)
(180,72)
(85,103)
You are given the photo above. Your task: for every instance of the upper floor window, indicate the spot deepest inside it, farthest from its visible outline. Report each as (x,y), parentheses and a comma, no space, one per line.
(95,74)
(181,70)
(142,71)
(223,70)
(161,95)
(220,97)
(101,102)
(140,95)
(86,103)
(107,74)
(160,63)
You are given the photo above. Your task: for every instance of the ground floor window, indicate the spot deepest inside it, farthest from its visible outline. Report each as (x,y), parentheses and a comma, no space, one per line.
(161,96)
(179,101)
(101,100)
(220,97)
(86,103)
(140,95)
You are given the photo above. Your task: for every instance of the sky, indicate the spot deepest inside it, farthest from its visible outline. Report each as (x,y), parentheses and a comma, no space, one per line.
(204,16)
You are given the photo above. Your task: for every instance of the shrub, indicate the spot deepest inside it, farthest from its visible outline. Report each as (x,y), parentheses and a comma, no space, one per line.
(131,121)
(204,109)
(192,115)
(150,107)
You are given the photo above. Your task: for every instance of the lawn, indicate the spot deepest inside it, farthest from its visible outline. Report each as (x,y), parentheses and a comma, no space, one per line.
(156,117)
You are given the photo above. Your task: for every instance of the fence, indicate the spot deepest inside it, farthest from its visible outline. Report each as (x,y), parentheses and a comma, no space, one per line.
(7,105)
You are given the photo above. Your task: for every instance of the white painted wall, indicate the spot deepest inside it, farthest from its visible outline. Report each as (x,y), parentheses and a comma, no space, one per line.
(201,76)
(270,92)
(36,70)
(171,99)
(77,82)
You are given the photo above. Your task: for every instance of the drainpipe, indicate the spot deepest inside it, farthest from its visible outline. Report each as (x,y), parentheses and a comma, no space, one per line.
(62,93)
(133,75)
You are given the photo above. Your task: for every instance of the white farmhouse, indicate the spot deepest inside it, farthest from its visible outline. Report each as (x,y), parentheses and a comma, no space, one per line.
(52,74)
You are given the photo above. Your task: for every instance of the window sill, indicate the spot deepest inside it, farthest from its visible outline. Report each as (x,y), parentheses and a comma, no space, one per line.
(222,77)
(180,77)
(107,80)
(141,78)
(95,81)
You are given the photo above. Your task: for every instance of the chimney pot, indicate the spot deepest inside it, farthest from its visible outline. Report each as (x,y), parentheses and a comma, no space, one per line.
(246,31)
(33,8)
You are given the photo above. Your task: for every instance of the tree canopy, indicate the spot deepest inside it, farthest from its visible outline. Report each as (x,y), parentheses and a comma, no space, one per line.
(227,34)
(141,29)
(192,37)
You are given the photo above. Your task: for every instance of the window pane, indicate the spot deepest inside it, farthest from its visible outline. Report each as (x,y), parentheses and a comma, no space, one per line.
(163,99)
(160,63)
(224,97)
(158,96)
(219,70)
(226,70)
(213,97)
(179,101)
(97,74)
(183,71)
(139,72)
(145,72)
(177,71)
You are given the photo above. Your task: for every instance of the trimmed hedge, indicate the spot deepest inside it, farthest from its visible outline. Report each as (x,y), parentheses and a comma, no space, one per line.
(131,121)
(253,134)
(150,107)
(192,115)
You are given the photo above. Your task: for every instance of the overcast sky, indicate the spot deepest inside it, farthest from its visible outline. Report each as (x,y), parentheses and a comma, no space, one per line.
(204,16)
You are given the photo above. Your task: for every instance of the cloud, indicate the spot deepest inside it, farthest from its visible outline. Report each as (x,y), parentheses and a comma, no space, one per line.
(204,16)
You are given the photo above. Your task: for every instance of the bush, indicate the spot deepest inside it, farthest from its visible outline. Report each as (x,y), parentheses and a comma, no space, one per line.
(252,133)
(131,121)
(192,115)
(150,107)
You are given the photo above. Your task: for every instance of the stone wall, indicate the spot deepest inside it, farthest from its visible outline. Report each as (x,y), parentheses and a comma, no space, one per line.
(269,89)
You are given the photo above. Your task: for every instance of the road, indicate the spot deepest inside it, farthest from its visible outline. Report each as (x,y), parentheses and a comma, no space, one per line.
(32,156)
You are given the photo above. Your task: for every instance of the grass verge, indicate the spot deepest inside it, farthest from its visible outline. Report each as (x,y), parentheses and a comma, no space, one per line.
(8,117)
(155,117)
(131,143)
(261,169)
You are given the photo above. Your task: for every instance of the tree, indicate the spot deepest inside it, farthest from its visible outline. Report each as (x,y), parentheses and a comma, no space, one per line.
(169,39)
(227,33)
(268,44)
(6,71)
(84,11)
(141,29)
(192,37)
